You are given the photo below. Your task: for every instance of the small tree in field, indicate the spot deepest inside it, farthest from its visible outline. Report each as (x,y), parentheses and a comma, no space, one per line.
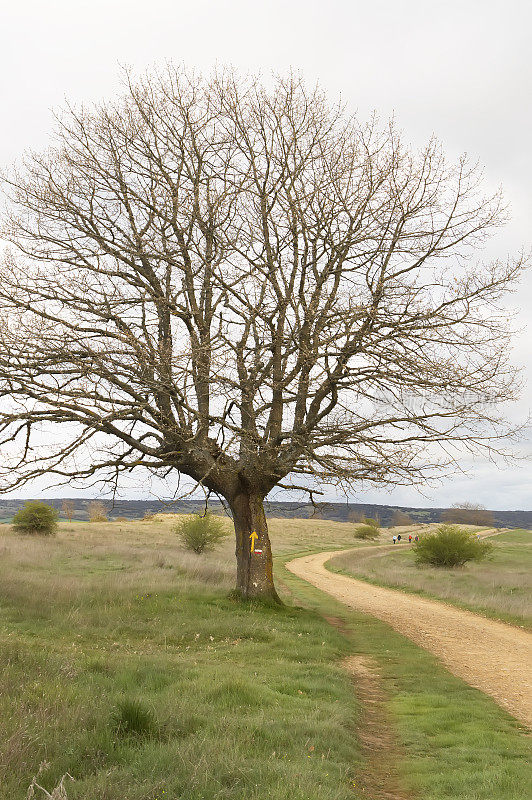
(450,546)
(201,533)
(36,517)
(68,509)
(97,511)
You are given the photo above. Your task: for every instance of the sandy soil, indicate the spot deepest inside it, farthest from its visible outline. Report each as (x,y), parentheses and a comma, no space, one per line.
(491,656)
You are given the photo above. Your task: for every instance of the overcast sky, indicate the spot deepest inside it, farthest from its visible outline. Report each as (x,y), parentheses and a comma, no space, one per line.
(460,69)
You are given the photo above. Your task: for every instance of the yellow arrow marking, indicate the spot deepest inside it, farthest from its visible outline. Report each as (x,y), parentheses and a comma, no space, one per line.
(253,536)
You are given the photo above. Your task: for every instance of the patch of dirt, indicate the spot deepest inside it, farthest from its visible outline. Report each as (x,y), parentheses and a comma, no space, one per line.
(491,656)
(379,779)
(338,623)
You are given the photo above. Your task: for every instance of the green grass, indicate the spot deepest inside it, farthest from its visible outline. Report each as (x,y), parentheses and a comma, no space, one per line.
(234,700)
(456,742)
(499,587)
(516,536)
(124,663)
(238,696)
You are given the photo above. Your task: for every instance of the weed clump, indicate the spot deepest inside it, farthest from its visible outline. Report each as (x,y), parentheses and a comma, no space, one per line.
(450,546)
(201,533)
(36,517)
(132,718)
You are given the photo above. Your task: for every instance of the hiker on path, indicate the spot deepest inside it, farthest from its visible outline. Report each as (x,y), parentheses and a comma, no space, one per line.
(410,538)
(394,538)
(398,537)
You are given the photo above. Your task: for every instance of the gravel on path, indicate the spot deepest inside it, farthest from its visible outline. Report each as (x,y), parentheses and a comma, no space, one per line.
(491,656)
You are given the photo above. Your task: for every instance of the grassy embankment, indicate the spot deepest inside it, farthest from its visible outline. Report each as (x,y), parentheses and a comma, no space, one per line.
(243,701)
(499,587)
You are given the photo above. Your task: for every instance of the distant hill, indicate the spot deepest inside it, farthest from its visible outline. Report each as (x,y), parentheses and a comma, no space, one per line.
(340,512)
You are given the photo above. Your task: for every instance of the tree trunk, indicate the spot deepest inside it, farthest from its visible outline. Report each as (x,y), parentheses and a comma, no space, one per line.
(253,553)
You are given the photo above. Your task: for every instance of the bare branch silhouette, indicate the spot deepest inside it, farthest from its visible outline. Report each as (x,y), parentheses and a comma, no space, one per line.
(242,284)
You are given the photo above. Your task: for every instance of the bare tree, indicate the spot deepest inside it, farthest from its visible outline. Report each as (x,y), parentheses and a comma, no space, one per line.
(248,287)
(468,514)
(400,518)
(68,509)
(97,511)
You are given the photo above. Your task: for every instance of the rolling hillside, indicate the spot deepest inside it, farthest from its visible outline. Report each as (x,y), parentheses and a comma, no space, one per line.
(339,512)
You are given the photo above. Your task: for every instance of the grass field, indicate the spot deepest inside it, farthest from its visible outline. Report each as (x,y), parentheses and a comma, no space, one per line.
(500,587)
(244,701)
(239,701)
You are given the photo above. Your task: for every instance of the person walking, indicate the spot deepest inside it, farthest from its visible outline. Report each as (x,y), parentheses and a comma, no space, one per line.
(394,538)
(410,538)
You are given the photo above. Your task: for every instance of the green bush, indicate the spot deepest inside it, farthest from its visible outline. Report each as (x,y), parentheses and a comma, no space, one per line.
(132,718)
(36,517)
(450,546)
(201,533)
(369,530)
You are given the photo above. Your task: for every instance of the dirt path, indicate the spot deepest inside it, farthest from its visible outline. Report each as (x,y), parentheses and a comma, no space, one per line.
(378,778)
(491,656)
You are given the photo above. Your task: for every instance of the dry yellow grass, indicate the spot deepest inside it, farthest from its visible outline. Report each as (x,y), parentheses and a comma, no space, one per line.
(122,552)
(113,554)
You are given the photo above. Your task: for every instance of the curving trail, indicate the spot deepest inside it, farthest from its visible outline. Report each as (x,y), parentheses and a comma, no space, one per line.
(491,656)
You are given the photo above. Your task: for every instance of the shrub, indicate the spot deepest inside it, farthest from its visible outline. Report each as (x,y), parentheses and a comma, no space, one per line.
(450,546)
(369,530)
(201,533)
(36,517)
(132,718)
(366,532)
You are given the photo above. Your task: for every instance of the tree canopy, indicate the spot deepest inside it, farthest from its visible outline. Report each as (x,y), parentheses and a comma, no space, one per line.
(248,286)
